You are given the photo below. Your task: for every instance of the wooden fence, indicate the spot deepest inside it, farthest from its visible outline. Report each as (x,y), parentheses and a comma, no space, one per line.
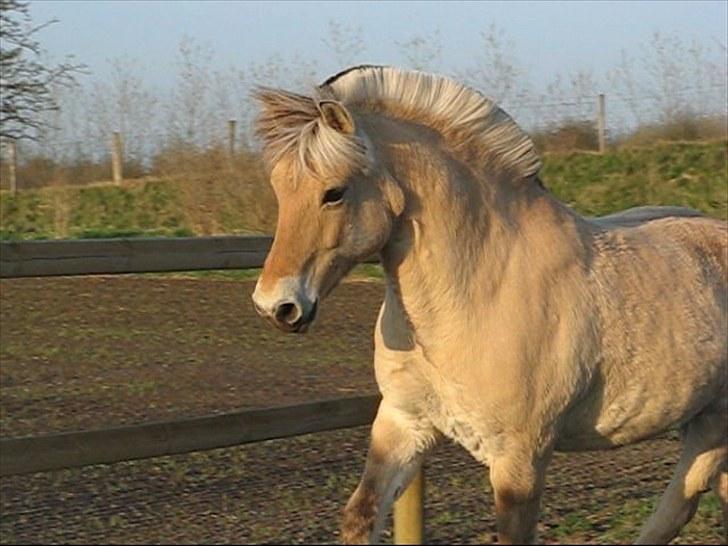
(112,445)
(149,255)
(75,449)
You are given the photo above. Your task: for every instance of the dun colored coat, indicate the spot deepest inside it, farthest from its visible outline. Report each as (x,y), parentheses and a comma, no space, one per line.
(510,324)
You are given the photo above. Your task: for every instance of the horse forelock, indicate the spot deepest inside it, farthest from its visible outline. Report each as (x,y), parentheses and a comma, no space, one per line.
(291,124)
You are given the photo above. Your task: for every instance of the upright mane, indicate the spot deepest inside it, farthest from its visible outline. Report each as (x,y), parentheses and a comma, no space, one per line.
(473,125)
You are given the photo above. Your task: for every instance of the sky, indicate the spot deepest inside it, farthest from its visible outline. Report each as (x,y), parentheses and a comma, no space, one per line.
(548,37)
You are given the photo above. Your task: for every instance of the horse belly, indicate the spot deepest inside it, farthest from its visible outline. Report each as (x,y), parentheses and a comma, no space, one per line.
(638,408)
(661,294)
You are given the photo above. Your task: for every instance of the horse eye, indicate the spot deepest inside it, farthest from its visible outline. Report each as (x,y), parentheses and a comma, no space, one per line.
(334,195)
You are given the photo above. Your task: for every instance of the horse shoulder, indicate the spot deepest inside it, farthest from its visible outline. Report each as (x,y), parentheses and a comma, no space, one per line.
(399,363)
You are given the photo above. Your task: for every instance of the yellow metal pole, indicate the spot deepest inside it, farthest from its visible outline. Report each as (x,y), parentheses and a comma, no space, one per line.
(409,512)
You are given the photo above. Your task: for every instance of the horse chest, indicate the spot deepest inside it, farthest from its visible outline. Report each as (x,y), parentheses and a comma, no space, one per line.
(417,386)
(421,379)
(469,428)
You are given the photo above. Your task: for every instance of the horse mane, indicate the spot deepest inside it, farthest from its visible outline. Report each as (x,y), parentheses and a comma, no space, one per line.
(290,122)
(473,125)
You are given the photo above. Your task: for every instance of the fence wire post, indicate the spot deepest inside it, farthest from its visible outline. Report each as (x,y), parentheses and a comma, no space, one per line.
(231,137)
(12,156)
(409,512)
(117,157)
(601,123)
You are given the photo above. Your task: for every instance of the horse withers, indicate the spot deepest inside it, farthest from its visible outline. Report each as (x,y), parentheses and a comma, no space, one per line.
(510,323)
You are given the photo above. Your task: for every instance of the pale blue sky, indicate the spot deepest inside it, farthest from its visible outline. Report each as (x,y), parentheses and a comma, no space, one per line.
(549,37)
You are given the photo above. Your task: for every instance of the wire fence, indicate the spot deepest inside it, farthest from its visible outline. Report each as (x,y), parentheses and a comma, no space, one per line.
(695,107)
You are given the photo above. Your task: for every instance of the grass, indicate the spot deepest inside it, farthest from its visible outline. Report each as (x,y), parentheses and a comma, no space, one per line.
(617,523)
(693,175)
(213,274)
(151,207)
(220,201)
(629,519)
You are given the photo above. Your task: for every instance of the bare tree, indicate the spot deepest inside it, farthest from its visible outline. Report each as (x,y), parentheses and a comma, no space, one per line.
(66,135)
(496,69)
(242,107)
(626,89)
(222,94)
(276,71)
(188,115)
(123,103)
(294,72)
(665,66)
(422,52)
(671,80)
(345,42)
(26,80)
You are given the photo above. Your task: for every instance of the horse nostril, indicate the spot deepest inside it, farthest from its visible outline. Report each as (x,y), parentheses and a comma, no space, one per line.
(288,313)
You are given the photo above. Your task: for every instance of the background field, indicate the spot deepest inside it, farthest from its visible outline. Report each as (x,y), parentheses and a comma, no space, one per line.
(207,195)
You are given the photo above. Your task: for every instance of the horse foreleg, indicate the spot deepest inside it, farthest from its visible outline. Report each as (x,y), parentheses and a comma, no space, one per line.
(396,449)
(517,480)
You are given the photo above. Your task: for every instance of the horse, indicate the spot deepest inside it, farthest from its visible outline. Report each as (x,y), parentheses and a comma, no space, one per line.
(510,323)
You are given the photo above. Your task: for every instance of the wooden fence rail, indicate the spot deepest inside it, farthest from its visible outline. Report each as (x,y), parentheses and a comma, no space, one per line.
(75,449)
(129,255)
(132,255)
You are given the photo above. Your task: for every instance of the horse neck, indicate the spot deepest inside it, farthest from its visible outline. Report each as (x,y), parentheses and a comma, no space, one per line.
(451,247)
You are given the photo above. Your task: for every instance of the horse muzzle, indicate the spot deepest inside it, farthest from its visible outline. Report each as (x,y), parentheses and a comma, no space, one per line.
(289,316)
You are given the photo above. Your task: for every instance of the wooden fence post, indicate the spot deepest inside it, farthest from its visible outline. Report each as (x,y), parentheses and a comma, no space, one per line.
(231,137)
(12,155)
(409,516)
(601,123)
(117,157)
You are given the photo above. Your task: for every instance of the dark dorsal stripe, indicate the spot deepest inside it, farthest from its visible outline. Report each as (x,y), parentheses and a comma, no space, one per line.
(335,77)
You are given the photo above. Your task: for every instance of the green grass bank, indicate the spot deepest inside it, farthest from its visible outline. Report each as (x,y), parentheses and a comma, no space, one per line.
(238,200)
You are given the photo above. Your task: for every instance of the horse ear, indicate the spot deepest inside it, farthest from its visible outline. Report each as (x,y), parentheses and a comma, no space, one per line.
(336,116)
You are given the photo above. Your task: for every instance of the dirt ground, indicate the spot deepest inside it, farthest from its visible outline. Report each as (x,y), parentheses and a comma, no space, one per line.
(79,353)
